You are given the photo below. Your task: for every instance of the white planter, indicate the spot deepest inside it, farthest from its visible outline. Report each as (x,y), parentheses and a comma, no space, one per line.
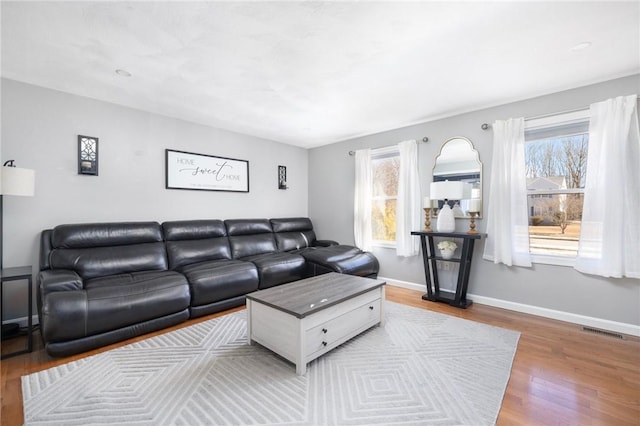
(447,253)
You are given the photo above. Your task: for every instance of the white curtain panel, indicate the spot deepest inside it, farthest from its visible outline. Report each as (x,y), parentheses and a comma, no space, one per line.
(610,232)
(507,221)
(362,203)
(408,212)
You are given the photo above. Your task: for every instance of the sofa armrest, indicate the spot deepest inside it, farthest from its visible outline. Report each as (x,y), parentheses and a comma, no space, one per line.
(64,316)
(62,305)
(58,280)
(325,243)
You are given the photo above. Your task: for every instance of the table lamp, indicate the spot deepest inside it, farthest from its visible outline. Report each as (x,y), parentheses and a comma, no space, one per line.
(448,190)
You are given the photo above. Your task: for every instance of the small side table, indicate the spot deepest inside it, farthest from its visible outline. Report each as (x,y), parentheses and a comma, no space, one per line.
(430,259)
(17,274)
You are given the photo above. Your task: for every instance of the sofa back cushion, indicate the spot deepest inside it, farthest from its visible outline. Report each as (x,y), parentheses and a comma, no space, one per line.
(250,237)
(293,233)
(100,249)
(194,241)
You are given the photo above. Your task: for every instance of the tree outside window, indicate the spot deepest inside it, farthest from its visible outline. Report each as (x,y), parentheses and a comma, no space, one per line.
(385,172)
(556,172)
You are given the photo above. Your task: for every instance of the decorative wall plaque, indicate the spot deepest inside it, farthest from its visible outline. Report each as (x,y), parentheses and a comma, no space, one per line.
(186,170)
(87,155)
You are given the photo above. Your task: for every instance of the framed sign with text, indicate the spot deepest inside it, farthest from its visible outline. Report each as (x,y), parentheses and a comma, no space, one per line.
(186,170)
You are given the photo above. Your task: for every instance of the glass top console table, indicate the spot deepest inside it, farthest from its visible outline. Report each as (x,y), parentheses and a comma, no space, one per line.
(430,257)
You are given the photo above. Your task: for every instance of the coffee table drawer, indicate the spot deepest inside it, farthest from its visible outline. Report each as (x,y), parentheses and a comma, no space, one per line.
(338,330)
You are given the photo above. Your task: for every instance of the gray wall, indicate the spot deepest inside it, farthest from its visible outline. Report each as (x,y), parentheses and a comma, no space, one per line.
(39,131)
(331,182)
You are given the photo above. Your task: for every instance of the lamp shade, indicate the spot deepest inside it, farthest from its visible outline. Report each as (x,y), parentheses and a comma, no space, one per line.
(450,190)
(17,181)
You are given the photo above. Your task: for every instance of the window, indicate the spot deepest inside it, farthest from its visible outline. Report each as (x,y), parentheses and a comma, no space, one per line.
(556,162)
(385,165)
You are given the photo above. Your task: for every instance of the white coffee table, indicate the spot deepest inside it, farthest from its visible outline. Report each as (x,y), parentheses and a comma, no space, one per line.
(305,319)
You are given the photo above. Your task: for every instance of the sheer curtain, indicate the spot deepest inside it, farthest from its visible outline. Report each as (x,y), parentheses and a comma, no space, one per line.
(408,211)
(610,232)
(507,221)
(362,200)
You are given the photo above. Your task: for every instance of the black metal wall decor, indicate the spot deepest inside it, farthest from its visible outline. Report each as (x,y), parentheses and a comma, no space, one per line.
(87,155)
(282,177)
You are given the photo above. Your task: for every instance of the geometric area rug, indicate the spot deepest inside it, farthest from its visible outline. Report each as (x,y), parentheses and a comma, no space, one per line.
(420,368)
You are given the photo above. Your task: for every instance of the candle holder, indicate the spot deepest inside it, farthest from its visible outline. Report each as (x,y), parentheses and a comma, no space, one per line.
(427,220)
(472,223)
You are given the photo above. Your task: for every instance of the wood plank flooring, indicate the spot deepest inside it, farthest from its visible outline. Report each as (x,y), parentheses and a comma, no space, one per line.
(561,375)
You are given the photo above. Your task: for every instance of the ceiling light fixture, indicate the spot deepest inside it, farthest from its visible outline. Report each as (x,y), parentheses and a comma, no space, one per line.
(123,73)
(581,46)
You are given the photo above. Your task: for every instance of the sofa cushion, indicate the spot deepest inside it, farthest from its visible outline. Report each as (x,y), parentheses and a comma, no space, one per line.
(105,234)
(195,241)
(293,234)
(247,226)
(101,249)
(218,280)
(291,224)
(278,268)
(104,261)
(121,300)
(113,302)
(343,259)
(179,230)
(250,237)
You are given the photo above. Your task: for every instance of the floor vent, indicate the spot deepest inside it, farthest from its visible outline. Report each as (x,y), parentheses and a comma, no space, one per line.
(603,332)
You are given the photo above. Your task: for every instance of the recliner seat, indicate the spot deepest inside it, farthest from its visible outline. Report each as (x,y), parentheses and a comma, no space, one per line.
(252,240)
(103,283)
(200,250)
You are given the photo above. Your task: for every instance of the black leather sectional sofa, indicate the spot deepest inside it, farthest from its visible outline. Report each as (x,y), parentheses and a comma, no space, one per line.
(105,282)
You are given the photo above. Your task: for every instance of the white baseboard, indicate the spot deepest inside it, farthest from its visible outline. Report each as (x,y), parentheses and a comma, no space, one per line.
(603,324)
(404,284)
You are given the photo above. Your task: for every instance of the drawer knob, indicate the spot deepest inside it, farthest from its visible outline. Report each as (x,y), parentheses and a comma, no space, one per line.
(324,343)
(371,307)
(324,330)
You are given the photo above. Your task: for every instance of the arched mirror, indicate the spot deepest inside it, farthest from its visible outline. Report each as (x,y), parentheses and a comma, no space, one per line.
(459,161)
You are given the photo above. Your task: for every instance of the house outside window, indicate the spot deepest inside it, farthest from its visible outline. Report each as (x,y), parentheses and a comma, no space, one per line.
(556,162)
(541,205)
(385,164)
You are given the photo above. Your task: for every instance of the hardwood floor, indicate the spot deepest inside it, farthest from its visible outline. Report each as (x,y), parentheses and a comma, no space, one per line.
(561,375)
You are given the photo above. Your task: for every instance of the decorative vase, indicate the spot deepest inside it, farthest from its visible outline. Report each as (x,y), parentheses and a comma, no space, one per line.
(447,253)
(446,221)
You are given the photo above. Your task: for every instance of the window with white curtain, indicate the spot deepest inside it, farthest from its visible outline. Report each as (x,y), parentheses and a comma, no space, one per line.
(556,166)
(385,168)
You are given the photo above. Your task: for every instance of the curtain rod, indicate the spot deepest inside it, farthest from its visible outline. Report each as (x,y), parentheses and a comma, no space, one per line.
(424,140)
(486,126)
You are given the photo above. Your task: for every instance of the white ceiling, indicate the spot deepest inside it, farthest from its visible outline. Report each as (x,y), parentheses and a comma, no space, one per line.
(313,73)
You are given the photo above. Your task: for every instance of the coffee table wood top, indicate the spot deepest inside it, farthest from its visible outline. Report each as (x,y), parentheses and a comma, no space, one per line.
(305,297)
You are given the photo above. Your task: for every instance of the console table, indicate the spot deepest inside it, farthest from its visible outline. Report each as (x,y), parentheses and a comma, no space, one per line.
(17,274)
(430,259)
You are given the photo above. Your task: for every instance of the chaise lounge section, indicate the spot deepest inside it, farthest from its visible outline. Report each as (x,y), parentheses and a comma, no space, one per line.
(106,282)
